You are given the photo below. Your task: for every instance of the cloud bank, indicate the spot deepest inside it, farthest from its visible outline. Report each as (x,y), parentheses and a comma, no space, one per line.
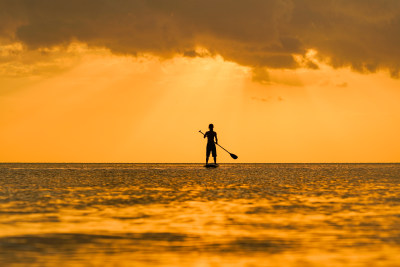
(362,34)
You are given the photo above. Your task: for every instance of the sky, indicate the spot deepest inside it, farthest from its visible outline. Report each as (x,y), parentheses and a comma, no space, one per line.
(134,81)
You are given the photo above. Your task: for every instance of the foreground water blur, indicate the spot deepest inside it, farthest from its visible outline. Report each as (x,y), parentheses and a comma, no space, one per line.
(186,215)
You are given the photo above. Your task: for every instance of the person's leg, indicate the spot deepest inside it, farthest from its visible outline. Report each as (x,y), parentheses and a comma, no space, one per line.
(208,151)
(214,154)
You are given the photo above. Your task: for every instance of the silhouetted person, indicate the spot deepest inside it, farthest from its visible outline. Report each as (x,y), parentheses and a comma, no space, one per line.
(211,144)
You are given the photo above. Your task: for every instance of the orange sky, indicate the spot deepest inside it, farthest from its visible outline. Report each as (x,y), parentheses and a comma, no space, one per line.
(92,99)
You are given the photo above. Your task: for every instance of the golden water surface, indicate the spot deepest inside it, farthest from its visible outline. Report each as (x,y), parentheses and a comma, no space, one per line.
(186,215)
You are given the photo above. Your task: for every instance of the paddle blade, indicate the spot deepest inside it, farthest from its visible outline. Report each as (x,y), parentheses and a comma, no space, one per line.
(233,156)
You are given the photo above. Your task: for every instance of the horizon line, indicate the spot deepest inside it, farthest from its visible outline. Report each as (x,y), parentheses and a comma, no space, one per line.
(73,162)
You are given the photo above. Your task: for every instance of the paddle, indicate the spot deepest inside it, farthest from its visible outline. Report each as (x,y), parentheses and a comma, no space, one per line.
(232,155)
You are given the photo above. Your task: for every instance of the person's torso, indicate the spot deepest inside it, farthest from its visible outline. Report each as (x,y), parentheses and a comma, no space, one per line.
(210,136)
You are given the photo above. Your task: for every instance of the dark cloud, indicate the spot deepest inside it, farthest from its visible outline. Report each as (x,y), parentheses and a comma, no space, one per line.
(363,34)
(261,75)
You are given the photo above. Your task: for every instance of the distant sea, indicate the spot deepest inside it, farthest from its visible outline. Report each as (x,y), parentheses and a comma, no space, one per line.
(187,215)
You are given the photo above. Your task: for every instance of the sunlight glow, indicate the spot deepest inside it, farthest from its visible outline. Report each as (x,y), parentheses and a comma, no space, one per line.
(83,104)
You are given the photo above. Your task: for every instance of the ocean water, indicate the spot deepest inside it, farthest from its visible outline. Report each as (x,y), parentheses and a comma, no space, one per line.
(187,215)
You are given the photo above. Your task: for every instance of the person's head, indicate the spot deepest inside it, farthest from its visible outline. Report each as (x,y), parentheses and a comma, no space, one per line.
(211,126)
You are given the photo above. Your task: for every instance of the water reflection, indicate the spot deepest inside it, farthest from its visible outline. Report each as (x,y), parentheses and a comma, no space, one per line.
(184,215)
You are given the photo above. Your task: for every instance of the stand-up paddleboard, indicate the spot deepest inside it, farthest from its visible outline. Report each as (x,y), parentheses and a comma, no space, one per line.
(211,165)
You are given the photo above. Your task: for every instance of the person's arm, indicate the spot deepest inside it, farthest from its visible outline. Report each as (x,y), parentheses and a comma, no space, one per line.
(205,135)
(216,139)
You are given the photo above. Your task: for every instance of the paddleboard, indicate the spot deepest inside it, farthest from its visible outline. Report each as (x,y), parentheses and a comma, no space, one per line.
(212,165)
